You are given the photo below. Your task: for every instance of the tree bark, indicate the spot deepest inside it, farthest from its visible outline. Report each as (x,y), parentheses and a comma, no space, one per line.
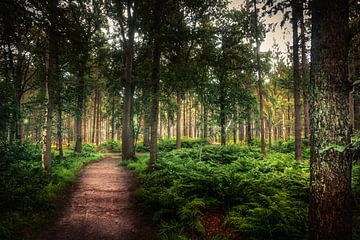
(331,205)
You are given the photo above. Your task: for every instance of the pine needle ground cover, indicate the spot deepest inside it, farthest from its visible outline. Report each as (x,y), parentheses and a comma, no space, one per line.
(29,195)
(257,199)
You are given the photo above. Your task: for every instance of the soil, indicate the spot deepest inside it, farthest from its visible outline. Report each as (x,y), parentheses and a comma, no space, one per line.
(101,206)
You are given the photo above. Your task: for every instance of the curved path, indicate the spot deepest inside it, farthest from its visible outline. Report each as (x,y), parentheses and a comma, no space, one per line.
(101,207)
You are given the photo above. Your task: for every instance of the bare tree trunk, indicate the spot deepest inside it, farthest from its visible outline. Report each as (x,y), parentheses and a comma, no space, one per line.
(128,150)
(113,118)
(262,129)
(190,116)
(205,130)
(178,120)
(97,134)
(295,5)
(169,120)
(249,139)
(331,204)
(184,116)
(49,88)
(94,116)
(222,114)
(155,84)
(304,75)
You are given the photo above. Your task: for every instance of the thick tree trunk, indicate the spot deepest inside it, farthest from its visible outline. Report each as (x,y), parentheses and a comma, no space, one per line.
(331,205)
(260,83)
(295,5)
(178,120)
(155,84)
(128,150)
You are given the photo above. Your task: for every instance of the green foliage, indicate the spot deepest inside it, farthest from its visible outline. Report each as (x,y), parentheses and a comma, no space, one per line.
(167,145)
(111,145)
(266,199)
(28,195)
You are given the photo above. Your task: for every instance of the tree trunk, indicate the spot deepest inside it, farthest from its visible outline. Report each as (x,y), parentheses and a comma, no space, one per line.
(49,88)
(304,74)
(205,130)
(178,120)
(128,150)
(169,120)
(184,116)
(94,116)
(113,118)
(59,129)
(331,205)
(222,114)
(98,119)
(270,132)
(288,129)
(258,67)
(155,84)
(190,117)
(249,139)
(79,108)
(295,5)
(146,118)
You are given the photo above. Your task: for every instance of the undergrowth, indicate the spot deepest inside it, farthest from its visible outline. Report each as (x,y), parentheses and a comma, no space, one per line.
(167,145)
(262,199)
(28,194)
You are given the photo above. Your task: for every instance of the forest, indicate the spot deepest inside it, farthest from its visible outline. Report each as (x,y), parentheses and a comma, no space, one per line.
(169,119)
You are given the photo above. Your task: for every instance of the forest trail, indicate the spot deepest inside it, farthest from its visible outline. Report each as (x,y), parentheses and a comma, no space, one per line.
(100,206)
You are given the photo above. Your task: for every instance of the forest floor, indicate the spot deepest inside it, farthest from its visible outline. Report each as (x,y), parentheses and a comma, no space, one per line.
(101,206)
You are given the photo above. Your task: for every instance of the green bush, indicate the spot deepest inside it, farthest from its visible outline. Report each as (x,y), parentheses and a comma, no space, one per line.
(111,145)
(28,194)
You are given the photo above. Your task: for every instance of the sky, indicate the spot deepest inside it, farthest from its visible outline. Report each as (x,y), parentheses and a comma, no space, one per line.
(280,35)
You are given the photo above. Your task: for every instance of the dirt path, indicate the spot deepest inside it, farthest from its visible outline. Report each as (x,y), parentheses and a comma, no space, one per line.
(101,207)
